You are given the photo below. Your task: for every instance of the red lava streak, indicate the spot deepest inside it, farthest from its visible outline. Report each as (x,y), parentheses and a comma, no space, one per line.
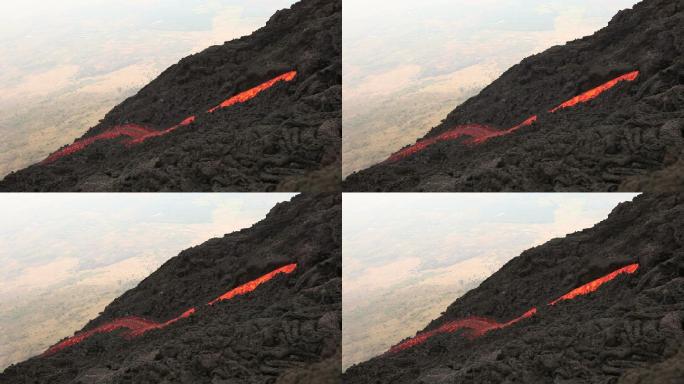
(480,133)
(250,94)
(249,287)
(136,134)
(594,93)
(136,326)
(594,285)
(474,327)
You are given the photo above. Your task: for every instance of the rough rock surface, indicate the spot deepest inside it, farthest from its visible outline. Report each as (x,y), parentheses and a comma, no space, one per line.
(287,138)
(286,331)
(631,330)
(617,141)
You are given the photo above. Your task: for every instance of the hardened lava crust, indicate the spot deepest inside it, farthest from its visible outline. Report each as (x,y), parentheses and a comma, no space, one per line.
(629,138)
(285,330)
(629,330)
(286,138)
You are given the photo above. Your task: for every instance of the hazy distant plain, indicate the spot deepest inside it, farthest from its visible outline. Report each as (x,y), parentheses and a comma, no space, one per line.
(406,257)
(64,64)
(408,63)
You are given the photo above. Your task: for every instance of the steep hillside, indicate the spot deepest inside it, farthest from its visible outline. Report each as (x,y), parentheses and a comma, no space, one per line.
(601,113)
(261,305)
(604,305)
(255,114)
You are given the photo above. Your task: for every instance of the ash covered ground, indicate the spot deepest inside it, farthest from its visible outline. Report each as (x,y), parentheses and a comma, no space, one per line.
(287,330)
(630,138)
(629,331)
(288,138)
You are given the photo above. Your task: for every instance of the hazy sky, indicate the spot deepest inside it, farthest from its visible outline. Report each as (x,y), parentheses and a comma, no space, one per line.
(64,64)
(429,38)
(407,256)
(425,57)
(70,40)
(429,233)
(61,239)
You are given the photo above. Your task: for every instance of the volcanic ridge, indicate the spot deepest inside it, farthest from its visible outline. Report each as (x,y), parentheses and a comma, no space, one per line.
(260,113)
(604,305)
(261,305)
(602,113)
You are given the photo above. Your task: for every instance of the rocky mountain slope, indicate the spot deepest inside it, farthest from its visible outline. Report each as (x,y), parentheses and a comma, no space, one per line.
(261,305)
(259,113)
(514,137)
(604,305)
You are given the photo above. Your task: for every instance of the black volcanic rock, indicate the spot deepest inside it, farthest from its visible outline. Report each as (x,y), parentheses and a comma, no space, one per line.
(631,330)
(286,331)
(629,138)
(287,138)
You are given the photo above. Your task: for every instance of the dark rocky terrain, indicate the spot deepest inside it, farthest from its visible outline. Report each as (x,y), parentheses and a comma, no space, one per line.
(287,138)
(285,331)
(629,331)
(630,138)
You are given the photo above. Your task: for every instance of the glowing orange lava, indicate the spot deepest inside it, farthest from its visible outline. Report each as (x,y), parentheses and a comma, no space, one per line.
(129,130)
(249,287)
(137,326)
(477,326)
(137,134)
(251,93)
(594,93)
(126,322)
(480,133)
(594,285)
(471,130)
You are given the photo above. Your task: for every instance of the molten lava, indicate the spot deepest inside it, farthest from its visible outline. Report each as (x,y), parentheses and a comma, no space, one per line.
(137,326)
(137,134)
(480,133)
(251,93)
(474,327)
(594,285)
(131,323)
(252,285)
(472,130)
(129,130)
(595,92)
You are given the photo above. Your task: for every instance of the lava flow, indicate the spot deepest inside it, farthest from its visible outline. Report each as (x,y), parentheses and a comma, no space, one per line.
(594,93)
(474,327)
(249,287)
(129,130)
(477,133)
(595,284)
(137,134)
(137,326)
(480,133)
(250,94)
